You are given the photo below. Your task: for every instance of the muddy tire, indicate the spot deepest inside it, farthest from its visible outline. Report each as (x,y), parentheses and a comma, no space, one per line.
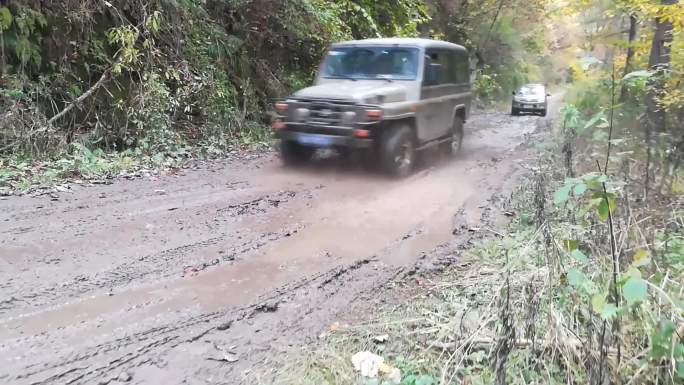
(397,151)
(293,153)
(452,147)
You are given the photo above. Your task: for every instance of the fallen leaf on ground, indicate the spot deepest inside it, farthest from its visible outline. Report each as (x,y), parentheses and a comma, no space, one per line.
(390,373)
(367,363)
(334,327)
(226,357)
(381,338)
(373,366)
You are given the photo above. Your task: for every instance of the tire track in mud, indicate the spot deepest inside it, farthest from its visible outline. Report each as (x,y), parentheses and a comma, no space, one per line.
(162,264)
(102,201)
(134,350)
(342,286)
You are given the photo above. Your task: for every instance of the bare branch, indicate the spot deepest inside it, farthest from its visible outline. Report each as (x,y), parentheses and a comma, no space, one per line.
(103,79)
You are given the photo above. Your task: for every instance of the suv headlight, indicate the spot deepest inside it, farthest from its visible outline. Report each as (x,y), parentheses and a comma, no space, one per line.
(302,114)
(348,117)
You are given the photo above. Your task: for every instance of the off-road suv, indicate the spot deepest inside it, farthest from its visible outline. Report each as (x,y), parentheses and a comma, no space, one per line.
(386,98)
(530,98)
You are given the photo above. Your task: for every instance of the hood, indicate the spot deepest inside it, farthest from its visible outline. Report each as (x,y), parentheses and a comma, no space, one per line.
(360,91)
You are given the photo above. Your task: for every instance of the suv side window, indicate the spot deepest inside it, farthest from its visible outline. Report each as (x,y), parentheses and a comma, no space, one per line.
(461,67)
(442,58)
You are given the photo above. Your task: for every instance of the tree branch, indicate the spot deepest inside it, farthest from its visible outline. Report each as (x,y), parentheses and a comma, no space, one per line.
(84,96)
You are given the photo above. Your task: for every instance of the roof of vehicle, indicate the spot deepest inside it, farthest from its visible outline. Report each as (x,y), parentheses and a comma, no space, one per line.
(399,41)
(533,85)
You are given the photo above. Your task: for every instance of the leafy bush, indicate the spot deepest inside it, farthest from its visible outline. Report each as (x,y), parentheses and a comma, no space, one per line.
(486,87)
(177,72)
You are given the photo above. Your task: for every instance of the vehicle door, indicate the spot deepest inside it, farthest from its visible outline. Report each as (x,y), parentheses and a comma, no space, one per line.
(431,115)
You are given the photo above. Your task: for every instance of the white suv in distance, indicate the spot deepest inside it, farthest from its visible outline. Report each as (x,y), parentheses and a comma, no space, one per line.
(531,98)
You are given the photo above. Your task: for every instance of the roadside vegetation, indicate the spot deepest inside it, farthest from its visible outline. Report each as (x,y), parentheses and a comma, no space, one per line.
(585,285)
(94,89)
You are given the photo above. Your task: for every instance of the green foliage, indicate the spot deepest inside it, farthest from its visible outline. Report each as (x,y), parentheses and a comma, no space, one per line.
(181,72)
(23,175)
(125,38)
(419,380)
(20,28)
(486,87)
(5,19)
(635,290)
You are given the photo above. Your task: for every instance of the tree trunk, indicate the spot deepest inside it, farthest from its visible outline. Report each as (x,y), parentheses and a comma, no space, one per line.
(633,24)
(660,50)
(482,46)
(659,61)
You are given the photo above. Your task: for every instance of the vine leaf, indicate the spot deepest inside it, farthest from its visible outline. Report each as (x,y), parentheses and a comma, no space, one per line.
(598,302)
(579,256)
(635,290)
(580,188)
(570,244)
(562,194)
(576,278)
(641,258)
(609,311)
(606,204)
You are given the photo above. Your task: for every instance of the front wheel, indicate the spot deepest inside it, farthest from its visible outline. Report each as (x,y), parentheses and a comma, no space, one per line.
(397,151)
(293,153)
(515,111)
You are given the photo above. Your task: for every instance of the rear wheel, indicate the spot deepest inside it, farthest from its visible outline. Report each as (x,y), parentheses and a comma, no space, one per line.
(453,145)
(397,151)
(293,153)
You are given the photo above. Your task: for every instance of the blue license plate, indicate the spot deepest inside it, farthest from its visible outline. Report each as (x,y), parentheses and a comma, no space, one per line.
(314,140)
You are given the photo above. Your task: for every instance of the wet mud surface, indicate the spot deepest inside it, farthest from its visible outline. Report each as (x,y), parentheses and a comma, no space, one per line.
(214,274)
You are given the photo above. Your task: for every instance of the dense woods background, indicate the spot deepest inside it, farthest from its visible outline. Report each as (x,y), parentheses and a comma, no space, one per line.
(160,76)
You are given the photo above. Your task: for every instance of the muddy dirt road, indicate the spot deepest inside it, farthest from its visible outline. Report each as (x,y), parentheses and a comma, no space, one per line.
(211,275)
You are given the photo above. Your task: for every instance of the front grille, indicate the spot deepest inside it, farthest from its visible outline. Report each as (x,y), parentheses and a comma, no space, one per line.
(328,114)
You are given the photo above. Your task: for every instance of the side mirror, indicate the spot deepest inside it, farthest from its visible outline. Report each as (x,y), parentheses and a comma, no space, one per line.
(513,93)
(433,74)
(548,94)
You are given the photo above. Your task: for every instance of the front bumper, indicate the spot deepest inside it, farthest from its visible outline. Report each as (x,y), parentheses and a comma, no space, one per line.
(524,106)
(324,140)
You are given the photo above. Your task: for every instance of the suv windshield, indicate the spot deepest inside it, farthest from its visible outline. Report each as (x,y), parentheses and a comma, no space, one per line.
(531,91)
(394,63)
